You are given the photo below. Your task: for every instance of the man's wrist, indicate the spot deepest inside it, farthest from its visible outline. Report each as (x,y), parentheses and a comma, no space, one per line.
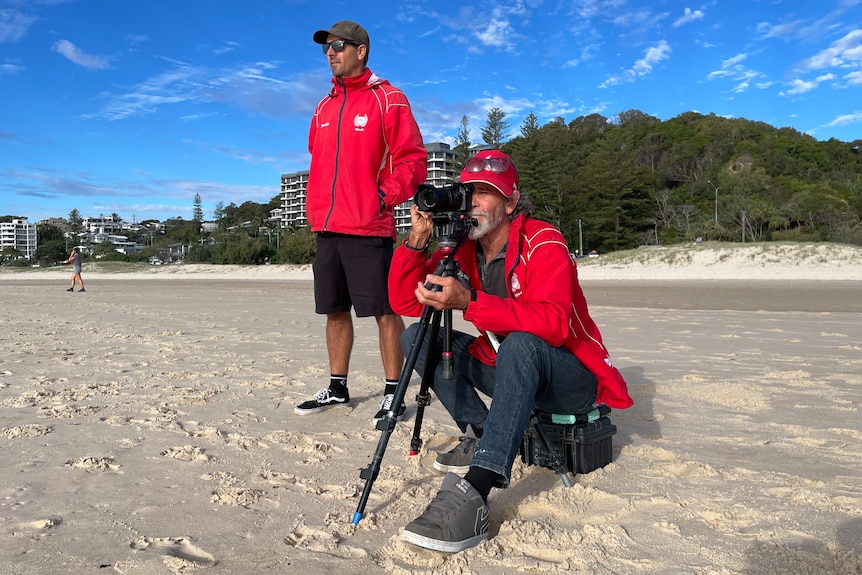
(415,248)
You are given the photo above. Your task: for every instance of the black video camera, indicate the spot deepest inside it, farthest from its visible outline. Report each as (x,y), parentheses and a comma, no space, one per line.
(451,198)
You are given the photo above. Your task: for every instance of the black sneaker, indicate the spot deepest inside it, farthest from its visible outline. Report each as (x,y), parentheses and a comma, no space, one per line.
(71,289)
(456,519)
(385,406)
(323,399)
(82,289)
(457,459)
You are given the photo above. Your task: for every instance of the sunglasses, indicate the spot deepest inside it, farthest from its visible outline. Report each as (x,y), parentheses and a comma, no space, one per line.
(338,45)
(496,165)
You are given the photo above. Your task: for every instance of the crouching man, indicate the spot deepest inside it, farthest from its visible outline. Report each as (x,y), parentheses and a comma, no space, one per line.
(538,346)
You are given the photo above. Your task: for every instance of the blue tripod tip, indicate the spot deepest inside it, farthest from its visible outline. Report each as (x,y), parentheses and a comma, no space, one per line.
(357,516)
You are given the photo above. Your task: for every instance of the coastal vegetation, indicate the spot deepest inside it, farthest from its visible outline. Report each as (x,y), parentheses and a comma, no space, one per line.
(609,183)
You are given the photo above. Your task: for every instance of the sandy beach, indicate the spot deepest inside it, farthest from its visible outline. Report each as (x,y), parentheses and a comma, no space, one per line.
(147,427)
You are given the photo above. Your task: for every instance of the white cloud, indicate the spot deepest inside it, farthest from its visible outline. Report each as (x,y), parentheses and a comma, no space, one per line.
(768,30)
(689,17)
(801,86)
(654,55)
(733,69)
(74,54)
(842,52)
(733,61)
(14,25)
(11,68)
(844,120)
(642,67)
(495,32)
(854,78)
(591,8)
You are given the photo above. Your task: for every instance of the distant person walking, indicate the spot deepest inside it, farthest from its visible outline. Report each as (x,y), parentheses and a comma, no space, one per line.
(367,157)
(75,259)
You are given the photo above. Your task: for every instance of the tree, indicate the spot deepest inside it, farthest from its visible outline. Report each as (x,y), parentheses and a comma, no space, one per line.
(75,220)
(198,212)
(495,129)
(462,145)
(218,212)
(530,127)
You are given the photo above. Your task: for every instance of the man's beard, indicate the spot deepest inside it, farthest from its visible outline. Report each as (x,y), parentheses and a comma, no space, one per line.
(487,223)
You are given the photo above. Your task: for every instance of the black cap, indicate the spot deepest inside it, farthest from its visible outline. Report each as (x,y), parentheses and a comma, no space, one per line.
(347,30)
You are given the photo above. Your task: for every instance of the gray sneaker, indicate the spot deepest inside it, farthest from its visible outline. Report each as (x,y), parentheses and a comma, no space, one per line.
(457,459)
(456,519)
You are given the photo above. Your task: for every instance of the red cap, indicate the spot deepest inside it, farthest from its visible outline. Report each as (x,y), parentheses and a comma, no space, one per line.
(491,167)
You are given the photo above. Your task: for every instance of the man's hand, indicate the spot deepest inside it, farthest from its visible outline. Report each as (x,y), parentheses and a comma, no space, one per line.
(422,227)
(453,294)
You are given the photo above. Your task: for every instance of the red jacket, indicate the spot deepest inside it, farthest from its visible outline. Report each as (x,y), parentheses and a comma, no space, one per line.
(365,145)
(545,299)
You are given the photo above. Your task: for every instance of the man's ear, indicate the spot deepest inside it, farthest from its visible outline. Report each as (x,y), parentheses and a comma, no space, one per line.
(512,202)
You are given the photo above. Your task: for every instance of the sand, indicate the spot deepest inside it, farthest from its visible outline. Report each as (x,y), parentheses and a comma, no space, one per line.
(147,427)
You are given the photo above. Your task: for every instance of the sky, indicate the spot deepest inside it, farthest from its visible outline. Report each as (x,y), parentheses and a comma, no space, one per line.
(133,107)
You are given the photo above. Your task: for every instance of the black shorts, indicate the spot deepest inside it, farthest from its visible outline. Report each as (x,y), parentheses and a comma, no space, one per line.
(352,271)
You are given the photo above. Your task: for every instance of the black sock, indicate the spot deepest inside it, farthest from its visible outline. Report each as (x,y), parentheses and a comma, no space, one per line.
(482,480)
(338,384)
(391,384)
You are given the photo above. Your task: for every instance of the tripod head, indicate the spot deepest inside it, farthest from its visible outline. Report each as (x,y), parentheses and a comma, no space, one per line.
(451,229)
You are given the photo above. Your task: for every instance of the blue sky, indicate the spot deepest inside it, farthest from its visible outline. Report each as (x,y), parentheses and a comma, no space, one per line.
(132,107)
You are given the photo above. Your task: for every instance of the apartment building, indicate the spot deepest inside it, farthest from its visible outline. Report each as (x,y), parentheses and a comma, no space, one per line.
(441,171)
(19,235)
(104,225)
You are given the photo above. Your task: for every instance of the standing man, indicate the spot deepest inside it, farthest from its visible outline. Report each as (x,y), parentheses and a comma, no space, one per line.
(367,157)
(538,348)
(75,259)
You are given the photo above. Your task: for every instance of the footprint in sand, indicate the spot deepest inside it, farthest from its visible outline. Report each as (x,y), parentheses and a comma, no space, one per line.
(27,430)
(237,496)
(93,463)
(187,453)
(181,554)
(39,526)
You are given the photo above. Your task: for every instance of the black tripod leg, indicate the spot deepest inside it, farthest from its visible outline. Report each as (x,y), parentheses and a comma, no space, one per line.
(423,396)
(556,459)
(387,424)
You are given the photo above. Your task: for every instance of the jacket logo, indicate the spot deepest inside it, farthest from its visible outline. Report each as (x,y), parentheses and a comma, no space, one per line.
(360,121)
(515,284)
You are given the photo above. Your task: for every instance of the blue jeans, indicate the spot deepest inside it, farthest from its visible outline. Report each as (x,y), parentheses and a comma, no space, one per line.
(529,373)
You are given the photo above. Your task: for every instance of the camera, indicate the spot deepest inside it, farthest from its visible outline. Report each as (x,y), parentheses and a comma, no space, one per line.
(451,198)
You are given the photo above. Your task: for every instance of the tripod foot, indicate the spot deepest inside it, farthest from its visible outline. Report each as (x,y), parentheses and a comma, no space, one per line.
(357,517)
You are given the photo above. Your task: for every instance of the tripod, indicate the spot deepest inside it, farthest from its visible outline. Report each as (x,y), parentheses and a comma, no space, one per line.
(446,267)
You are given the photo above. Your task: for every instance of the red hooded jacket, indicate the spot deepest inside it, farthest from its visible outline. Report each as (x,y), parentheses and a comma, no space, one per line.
(545,300)
(365,146)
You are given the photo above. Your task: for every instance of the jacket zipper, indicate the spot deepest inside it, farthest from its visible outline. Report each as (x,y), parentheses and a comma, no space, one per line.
(337,155)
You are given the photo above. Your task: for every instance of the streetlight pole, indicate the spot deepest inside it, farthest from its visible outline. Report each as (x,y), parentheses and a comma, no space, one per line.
(580,238)
(716,199)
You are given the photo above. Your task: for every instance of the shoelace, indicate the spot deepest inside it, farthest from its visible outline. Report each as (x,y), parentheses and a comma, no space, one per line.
(443,505)
(386,402)
(322,395)
(467,444)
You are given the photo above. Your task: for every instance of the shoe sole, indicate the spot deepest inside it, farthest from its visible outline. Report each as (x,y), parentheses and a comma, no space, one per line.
(444,546)
(459,469)
(314,410)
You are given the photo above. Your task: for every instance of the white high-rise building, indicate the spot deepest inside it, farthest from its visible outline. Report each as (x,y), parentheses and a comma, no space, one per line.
(19,235)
